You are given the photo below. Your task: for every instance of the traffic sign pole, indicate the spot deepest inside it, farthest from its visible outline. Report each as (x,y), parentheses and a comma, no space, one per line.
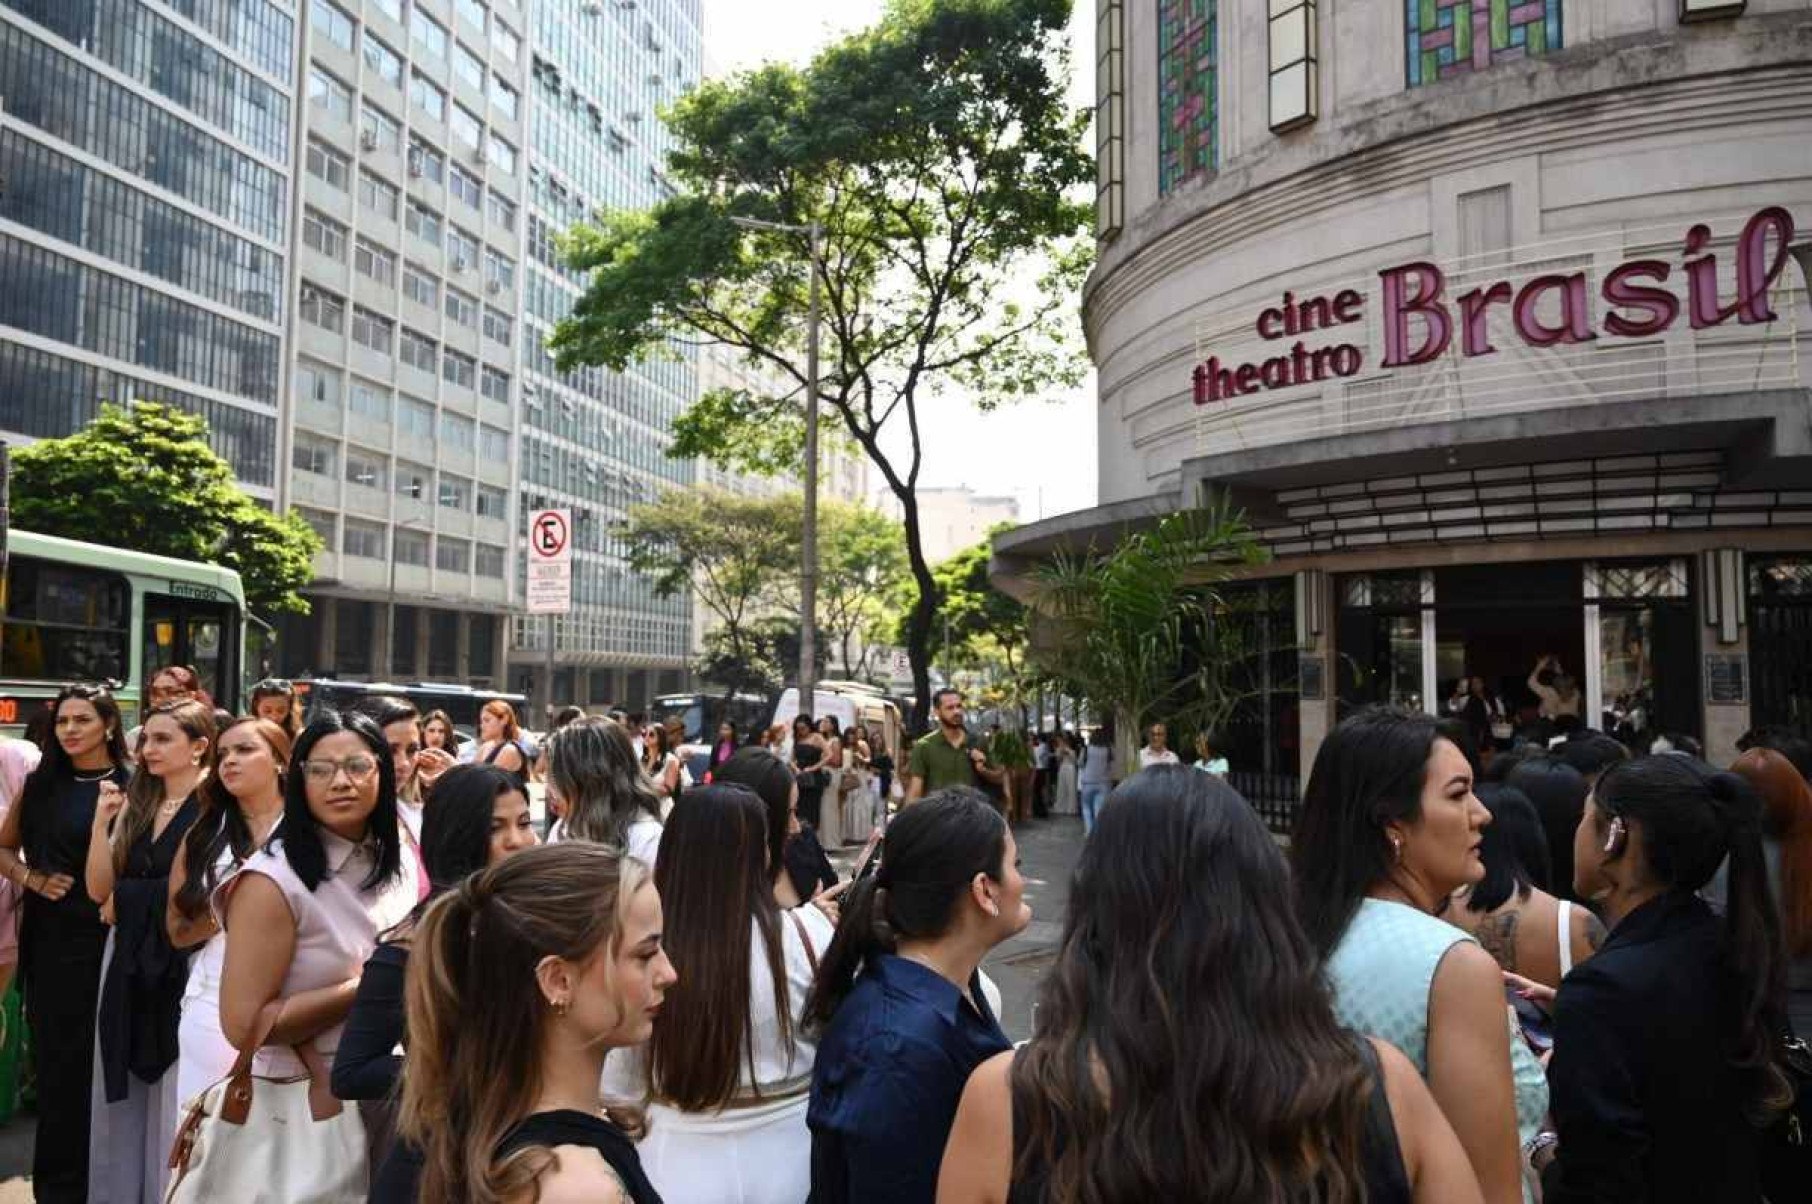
(549,589)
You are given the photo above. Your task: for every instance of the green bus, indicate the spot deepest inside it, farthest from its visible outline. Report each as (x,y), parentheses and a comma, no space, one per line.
(76,611)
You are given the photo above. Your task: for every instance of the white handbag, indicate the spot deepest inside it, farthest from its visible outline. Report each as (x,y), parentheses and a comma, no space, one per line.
(255,1140)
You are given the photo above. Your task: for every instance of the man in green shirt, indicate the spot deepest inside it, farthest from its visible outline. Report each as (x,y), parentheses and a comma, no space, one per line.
(946,757)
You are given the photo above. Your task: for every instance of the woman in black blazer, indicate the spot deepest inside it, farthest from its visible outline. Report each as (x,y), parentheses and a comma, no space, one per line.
(1665,1043)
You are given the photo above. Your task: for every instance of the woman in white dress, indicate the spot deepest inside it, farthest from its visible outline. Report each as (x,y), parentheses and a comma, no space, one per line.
(242,802)
(727,1072)
(1069,798)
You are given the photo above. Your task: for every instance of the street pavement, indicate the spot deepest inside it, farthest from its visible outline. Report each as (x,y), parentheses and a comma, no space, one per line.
(1047,851)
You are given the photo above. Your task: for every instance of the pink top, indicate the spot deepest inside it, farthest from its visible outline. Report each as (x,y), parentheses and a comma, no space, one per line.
(337,925)
(17,759)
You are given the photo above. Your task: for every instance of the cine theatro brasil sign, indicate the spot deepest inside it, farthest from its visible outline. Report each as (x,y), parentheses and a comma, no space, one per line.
(1420,322)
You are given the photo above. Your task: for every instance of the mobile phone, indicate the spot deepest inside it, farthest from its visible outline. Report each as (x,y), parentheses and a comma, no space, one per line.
(870,858)
(1533,1019)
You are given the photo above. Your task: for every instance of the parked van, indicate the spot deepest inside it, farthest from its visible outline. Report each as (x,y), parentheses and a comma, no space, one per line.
(852,703)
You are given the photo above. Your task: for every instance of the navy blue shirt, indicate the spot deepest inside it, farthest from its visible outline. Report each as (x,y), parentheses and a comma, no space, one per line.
(888,1077)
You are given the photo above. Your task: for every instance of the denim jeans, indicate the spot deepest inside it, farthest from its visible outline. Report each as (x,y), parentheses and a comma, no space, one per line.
(1092,798)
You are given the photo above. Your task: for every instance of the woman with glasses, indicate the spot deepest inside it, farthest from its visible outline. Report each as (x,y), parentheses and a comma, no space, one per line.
(62,937)
(137,834)
(304,912)
(275,699)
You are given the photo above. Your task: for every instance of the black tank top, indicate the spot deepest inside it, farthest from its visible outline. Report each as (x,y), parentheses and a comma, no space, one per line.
(552,1129)
(1386,1179)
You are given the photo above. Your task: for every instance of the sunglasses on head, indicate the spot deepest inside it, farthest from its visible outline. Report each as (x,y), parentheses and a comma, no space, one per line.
(274,685)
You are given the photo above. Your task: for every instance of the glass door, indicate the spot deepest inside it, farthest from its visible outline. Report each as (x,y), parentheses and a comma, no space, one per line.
(201,635)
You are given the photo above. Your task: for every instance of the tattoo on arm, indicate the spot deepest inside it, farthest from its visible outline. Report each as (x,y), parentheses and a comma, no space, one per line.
(1498,935)
(1595,931)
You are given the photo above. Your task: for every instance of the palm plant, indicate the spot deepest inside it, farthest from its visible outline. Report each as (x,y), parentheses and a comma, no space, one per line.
(1118,620)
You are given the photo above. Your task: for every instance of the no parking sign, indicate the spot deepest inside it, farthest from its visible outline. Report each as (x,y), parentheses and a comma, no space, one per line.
(550,562)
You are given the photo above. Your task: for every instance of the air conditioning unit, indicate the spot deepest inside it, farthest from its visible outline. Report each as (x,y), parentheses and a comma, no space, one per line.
(592,8)
(368,139)
(415,166)
(494,287)
(310,294)
(478,155)
(460,264)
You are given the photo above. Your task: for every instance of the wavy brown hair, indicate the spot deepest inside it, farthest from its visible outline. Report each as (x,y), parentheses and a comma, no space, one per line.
(145,791)
(477,1019)
(1186,1045)
(222,825)
(1787,819)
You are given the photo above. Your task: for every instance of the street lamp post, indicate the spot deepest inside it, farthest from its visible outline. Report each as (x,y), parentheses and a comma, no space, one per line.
(808,524)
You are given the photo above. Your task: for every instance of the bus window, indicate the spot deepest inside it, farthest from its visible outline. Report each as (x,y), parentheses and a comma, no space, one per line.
(64,623)
(201,635)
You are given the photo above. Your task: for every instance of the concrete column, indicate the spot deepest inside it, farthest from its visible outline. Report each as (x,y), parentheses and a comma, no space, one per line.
(462,655)
(327,611)
(1723,633)
(418,659)
(500,651)
(1315,609)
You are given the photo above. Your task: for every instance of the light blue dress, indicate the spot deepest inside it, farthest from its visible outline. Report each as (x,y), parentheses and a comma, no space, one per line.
(1382,972)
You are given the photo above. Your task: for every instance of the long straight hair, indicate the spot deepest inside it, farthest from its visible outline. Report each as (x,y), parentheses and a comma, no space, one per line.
(55,765)
(145,790)
(1787,818)
(713,879)
(1187,1047)
(592,765)
(301,833)
(222,826)
(772,781)
(477,1019)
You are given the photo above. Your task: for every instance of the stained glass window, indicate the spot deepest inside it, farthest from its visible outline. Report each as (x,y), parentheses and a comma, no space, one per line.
(1188,115)
(1448,37)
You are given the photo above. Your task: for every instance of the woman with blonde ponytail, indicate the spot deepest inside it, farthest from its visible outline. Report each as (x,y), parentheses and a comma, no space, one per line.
(520,981)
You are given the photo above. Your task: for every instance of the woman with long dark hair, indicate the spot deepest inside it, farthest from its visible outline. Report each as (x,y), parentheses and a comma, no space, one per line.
(275,699)
(796,861)
(899,1007)
(480,816)
(304,912)
(1389,829)
(61,936)
(604,795)
(137,836)
(727,1069)
(1666,1043)
(1558,792)
(520,981)
(1186,1046)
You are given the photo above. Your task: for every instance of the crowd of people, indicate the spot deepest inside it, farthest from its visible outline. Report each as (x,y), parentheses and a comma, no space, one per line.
(337,959)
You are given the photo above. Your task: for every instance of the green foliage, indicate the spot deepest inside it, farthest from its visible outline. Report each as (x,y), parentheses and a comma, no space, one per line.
(732,552)
(144,477)
(861,566)
(1120,621)
(985,626)
(939,158)
(1008,750)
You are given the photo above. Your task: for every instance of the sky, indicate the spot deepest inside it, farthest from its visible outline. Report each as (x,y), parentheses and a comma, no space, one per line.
(1041,451)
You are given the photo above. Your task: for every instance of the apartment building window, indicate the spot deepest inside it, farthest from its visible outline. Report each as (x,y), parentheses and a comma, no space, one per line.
(373,330)
(426,97)
(493,448)
(367,468)
(462,249)
(322,524)
(461,308)
(473,11)
(382,61)
(467,129)
(460,370)
(323,309)
(370,401)
(497,325)
(492,503)
(412,547)
(328,165)
(375,262)
(466,187)
(415,419)
(330,94)
(413,480)
(378,130)
(499,269)
(423,222)
(460,433)
(501,210)
(487,561)
(420,351)
(324,235)
(427,35)
(455,492)
(468,67)
(505,98)
(420,286)
(317,382)
(377,196)
(505,42)
(495,384)
(309,454)
(363,539)
(333,24)
(390,8)
(502,155)
(452,555)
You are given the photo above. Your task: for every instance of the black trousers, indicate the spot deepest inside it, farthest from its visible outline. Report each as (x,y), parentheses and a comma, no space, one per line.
(60,967)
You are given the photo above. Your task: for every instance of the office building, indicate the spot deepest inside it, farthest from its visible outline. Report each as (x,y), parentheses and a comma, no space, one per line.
(956,517)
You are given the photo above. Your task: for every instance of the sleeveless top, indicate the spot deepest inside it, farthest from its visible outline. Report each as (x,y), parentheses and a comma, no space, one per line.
(567,1127)
(1382,972)
(1381,1156)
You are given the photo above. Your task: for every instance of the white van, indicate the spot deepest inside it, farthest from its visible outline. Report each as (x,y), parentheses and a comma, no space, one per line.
(851,702)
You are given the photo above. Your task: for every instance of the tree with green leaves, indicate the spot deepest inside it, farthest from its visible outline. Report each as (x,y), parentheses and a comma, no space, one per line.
(732,553)
(939,159)
(981,623)
(144,477)
(861,564)
(1121,621)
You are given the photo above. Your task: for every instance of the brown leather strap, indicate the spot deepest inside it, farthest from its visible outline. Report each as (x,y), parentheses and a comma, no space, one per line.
(811,954)
(237,1105)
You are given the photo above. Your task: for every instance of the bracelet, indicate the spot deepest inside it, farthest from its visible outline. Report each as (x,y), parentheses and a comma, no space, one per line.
(1547,1139)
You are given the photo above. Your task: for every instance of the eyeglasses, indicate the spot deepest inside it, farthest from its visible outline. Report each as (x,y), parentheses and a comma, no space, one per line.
(357,768)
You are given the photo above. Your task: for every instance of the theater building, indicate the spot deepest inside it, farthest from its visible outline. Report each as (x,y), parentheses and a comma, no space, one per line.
(1493,317)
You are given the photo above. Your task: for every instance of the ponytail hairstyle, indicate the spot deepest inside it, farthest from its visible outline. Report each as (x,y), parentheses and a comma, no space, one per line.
(221,826)
(1787,819)
(145,790)
(930,855)
(476,1016)
(1370,771)
(1692,818)
(302,846)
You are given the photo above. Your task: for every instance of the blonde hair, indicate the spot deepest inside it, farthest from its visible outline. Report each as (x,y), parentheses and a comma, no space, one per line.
(477,1019)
